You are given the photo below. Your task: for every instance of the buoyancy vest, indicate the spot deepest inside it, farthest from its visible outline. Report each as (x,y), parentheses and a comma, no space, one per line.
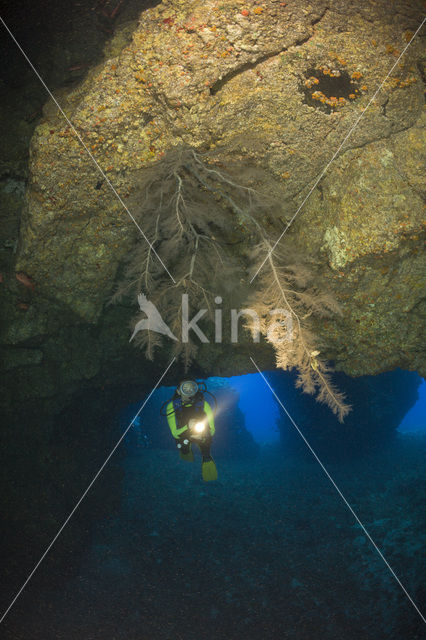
(192,409)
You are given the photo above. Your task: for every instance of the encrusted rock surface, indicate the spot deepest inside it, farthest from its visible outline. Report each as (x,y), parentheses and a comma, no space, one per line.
(372,200)
(278,85)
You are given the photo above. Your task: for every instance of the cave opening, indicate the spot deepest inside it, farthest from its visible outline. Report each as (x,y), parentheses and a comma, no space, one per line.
(249,419)
(252,428)
(414,421)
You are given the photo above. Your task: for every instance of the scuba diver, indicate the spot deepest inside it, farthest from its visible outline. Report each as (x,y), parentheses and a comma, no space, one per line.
(190,418)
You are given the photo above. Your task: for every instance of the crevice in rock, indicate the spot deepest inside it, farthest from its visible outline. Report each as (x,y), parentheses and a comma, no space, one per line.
(422,70)
(219,84)
(384,105)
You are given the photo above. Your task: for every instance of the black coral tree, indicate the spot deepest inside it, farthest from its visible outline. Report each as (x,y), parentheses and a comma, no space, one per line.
(193,212)
(179,204)
(285,284)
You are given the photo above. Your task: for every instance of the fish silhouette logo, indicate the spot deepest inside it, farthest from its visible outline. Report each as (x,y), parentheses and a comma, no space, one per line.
(153,320)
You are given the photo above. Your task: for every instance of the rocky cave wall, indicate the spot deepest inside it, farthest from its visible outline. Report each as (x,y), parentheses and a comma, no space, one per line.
(204,75)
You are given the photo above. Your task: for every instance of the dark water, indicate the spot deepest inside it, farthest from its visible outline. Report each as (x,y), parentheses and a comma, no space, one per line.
(269,551)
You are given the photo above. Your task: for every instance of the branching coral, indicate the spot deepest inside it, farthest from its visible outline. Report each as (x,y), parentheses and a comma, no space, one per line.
(183,203)
(286,285)
(190,209)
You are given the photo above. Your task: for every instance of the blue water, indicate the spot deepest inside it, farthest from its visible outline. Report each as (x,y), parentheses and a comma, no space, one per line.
(269,551)
(259,407)
(415,419)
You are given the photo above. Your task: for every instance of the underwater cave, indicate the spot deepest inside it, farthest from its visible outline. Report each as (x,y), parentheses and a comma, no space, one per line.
(212,392)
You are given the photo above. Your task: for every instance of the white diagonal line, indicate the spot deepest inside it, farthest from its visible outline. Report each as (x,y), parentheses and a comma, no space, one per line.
(341,495)
(336,153)
(105,177)
(82,497)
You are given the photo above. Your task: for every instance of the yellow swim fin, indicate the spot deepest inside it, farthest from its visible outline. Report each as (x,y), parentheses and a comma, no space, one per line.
(209,471)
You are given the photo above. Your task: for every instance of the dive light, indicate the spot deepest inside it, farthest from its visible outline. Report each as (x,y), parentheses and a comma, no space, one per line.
(197,428)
